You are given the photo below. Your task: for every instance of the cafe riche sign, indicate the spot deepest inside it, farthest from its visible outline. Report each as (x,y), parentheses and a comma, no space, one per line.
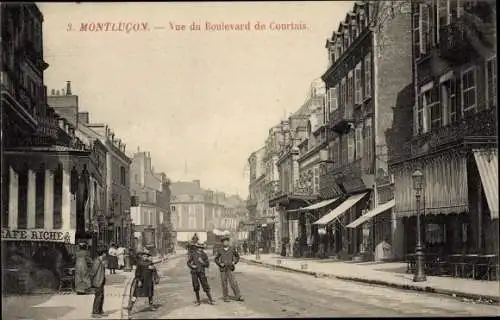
(48,235)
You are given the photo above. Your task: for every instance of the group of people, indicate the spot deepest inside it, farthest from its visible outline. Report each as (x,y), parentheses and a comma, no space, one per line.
(146,274)
(145,278)
(116,257)
(226,257)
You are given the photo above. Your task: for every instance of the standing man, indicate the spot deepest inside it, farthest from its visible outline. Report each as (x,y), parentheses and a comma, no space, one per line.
(197,262)
(245,247)
(98,282)
(226,258)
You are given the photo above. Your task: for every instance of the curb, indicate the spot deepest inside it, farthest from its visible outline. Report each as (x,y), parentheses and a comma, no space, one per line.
(454,294)
(125,297)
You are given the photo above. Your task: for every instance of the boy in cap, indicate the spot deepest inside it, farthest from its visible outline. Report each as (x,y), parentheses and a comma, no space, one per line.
(226,258)
(98,276)
(197,262)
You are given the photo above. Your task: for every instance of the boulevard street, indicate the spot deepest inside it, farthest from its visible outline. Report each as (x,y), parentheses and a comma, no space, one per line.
(274,293)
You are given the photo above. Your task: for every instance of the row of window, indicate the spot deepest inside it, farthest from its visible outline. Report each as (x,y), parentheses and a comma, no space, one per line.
(352,89)
(357,144)
(454,97)
(354,25)
(428,19)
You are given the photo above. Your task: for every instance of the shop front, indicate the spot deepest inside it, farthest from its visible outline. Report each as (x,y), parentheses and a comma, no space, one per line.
(345,243)
(288,219)
(459,204)
(317,238)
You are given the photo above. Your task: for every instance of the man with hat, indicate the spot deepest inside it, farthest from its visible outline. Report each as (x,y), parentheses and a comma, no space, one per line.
(144,280)
(226,258)
(197,262)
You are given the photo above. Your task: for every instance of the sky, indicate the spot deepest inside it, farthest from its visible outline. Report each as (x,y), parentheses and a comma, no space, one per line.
(199,101)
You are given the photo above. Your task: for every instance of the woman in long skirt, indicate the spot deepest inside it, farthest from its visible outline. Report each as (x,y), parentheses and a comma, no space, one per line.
(112,259)
(82,272)
(144,281)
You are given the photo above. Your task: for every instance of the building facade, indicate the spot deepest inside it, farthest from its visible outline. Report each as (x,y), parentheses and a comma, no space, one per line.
(453,140)
(66,105)
(369,77)
(118,225)
(150,204)
(289,195)
(188,204)
(46,168)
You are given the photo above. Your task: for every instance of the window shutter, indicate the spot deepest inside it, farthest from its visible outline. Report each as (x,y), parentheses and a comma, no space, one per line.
(350,147)
(333,99)
(424,27)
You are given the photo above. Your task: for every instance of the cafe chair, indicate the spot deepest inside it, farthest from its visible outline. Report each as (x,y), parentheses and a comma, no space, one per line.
(67,281)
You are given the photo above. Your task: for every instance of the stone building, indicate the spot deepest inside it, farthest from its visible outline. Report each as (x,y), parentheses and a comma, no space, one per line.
(150,207)
(188,204)
(453,139)
(369,77)
(118,224)
(48,172)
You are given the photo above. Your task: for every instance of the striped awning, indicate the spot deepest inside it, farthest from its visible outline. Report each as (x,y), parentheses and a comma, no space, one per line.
(487,162)
(315,206)
(343,207)
(445,190)
(372,213)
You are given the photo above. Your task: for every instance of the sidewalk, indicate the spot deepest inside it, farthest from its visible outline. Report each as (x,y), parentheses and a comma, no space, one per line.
(68,305)
(391,274)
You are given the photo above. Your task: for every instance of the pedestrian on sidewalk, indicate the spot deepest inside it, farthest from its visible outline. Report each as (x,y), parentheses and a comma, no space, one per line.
(120,254)
(82,270)
(144,280)
(112,259)
(226,258)
(98,276)
(197,262)
(245,247)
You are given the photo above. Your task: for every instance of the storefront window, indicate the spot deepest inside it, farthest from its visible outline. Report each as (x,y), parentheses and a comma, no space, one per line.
(435,233)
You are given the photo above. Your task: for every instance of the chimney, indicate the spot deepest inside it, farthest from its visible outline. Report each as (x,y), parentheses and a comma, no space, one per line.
(68,88)
(83,117)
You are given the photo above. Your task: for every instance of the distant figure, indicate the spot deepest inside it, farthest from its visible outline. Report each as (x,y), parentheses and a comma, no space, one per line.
(112,259)
(226,258)
(195,239)
(197,263)
(245,247)
(120,254)
(83,281)
(98,276)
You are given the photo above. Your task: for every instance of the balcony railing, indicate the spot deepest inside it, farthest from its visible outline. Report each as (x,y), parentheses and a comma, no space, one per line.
(481,126)
(453,43)
(340,118)
(17,91)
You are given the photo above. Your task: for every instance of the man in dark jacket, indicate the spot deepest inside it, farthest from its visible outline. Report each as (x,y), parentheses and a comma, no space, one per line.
(197,262)
(226,258)
(98,276)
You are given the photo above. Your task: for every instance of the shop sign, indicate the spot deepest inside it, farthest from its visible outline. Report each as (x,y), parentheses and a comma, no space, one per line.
(49,235)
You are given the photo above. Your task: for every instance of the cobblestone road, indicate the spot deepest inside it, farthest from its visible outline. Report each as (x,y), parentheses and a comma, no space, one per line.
(270,293)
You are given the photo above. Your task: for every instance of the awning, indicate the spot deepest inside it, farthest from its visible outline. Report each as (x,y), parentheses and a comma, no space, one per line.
(446,187)
(315,206)
(343,207)
(487,161)
(372,213)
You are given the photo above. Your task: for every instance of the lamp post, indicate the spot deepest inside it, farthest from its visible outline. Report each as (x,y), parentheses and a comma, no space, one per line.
(418,185)
(257,247)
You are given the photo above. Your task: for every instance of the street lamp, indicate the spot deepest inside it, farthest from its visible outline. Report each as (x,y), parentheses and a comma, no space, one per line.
(418,185)
(257,253)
